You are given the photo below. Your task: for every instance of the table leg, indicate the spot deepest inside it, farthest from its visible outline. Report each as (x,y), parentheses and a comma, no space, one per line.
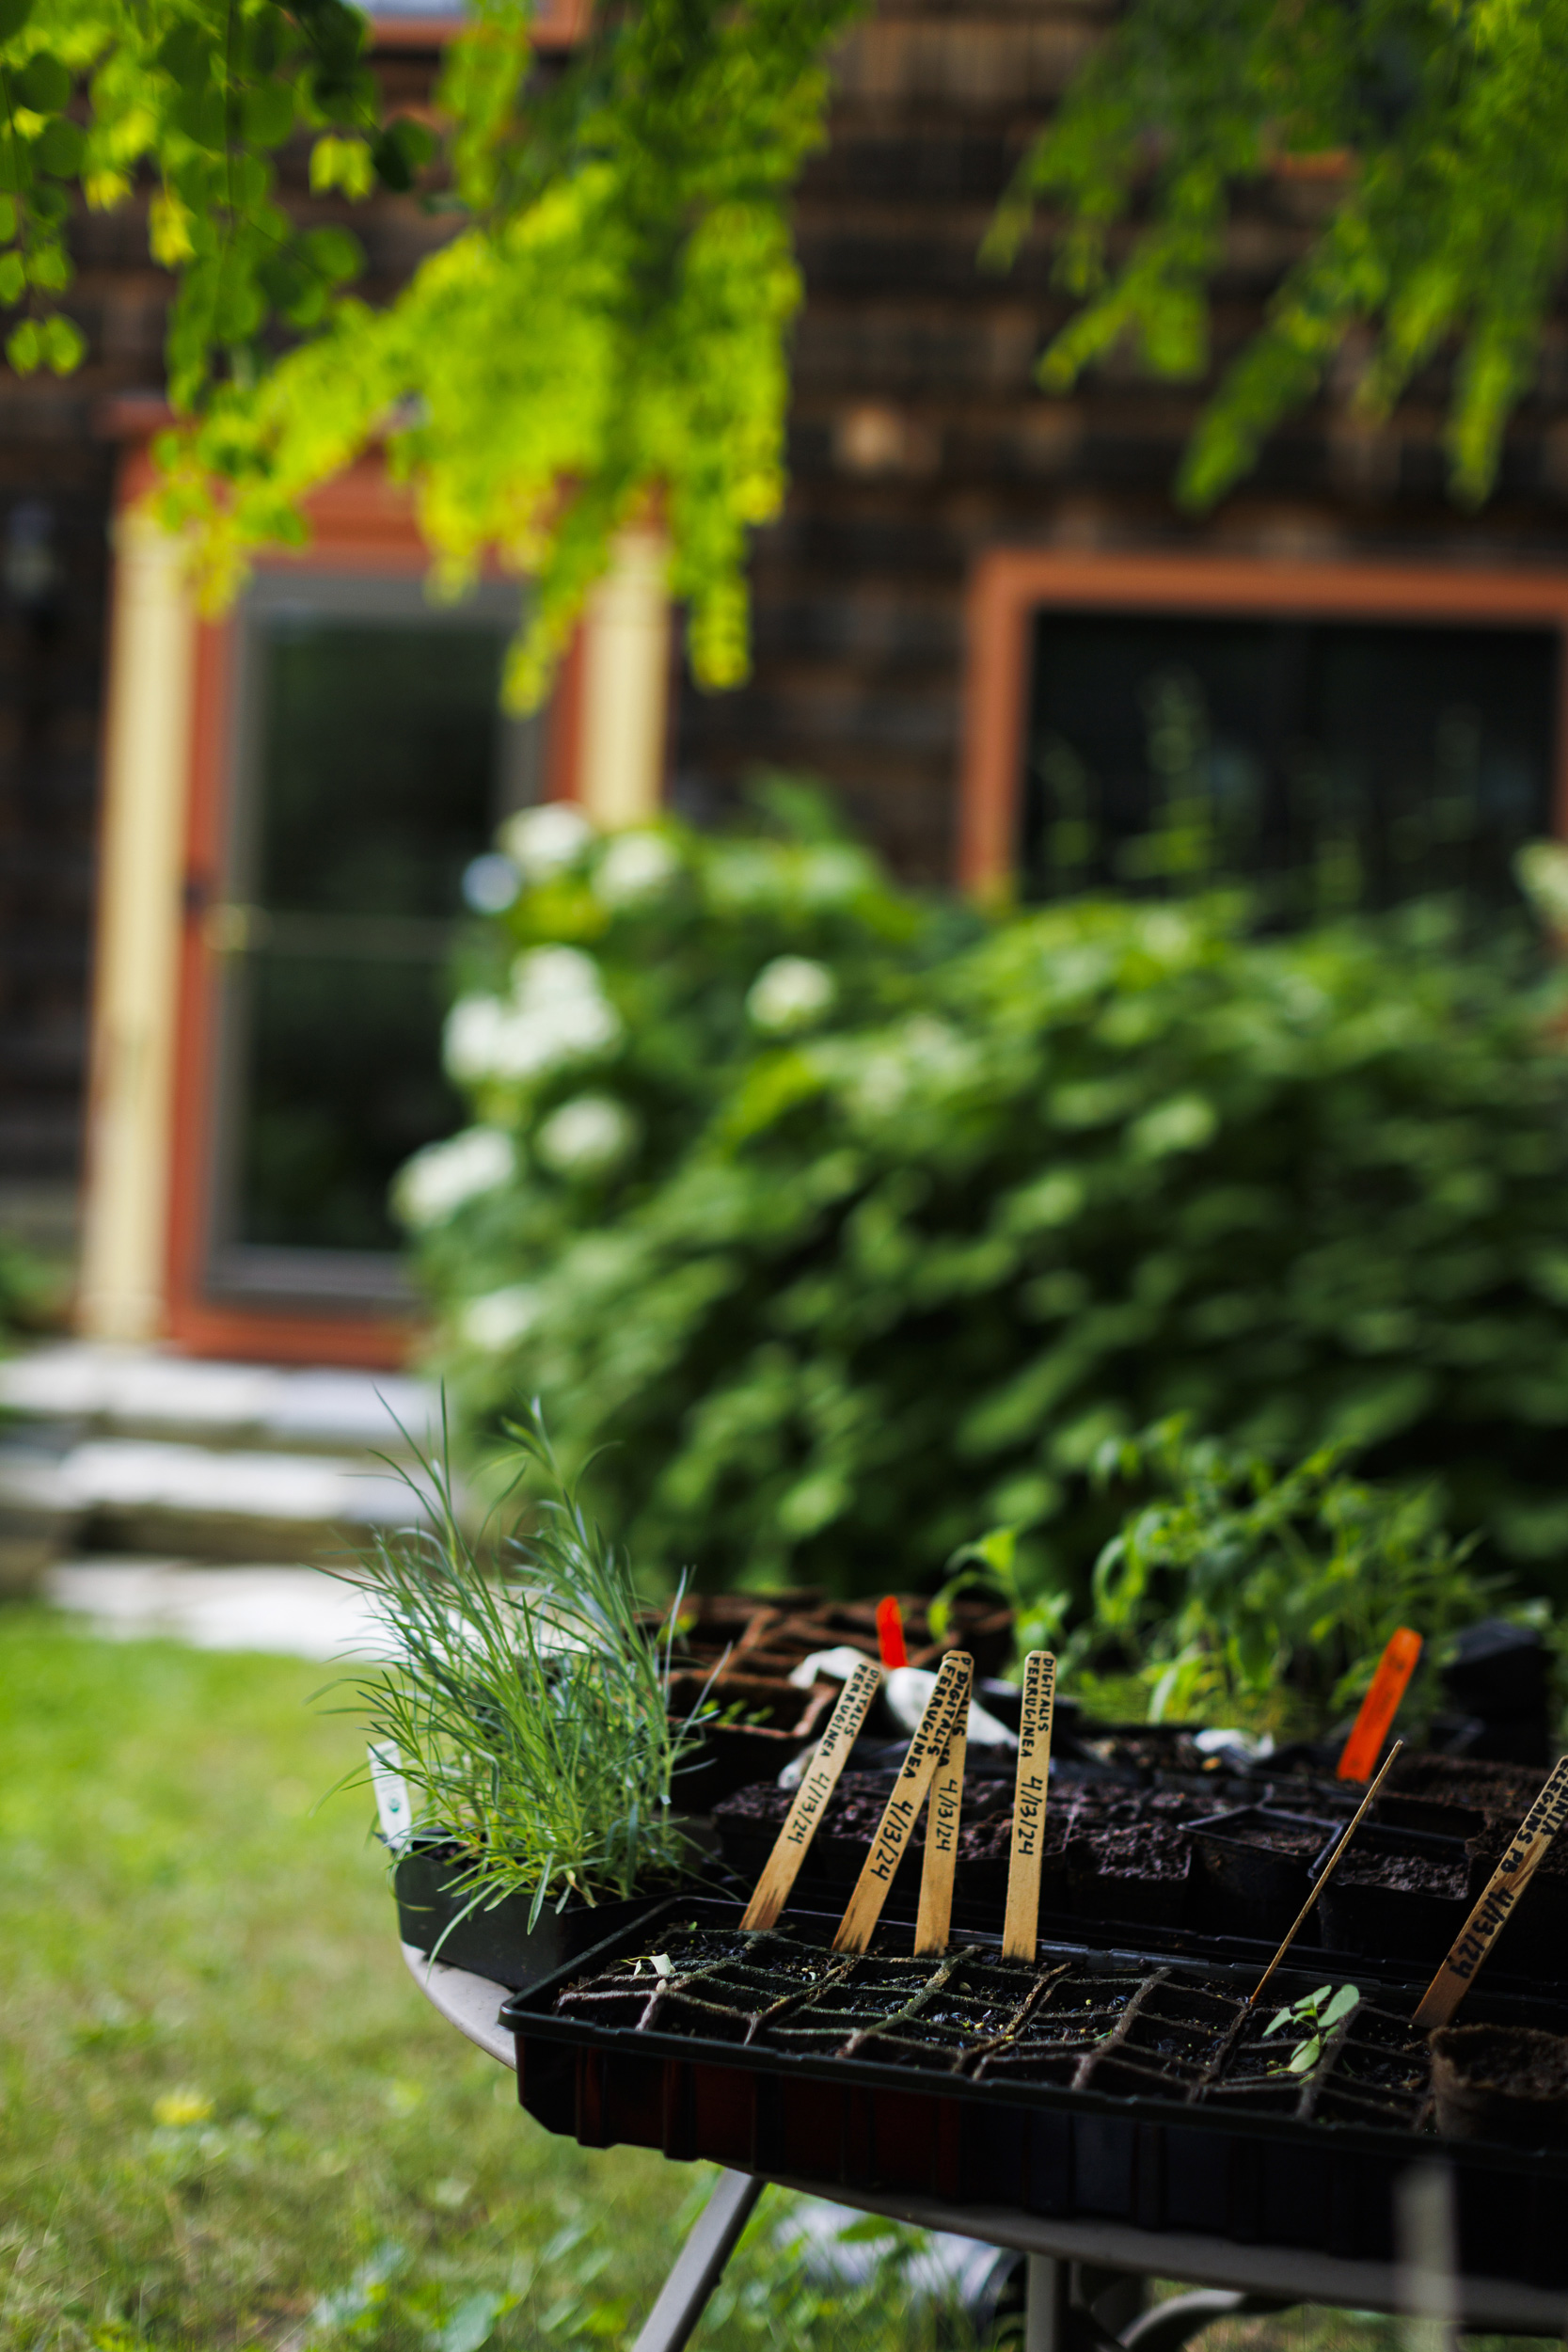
(682,2297)
(1045,2299)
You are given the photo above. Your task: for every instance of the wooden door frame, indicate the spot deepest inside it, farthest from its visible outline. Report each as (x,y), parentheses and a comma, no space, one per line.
(1010,585)
(362,524)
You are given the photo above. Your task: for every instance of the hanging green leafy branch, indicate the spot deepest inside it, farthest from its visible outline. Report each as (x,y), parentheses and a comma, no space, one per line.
(1440,125)
(603,336)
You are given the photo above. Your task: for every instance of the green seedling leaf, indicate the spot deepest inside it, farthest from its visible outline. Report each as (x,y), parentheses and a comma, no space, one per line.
(1283,2017)
(1346,1998)
(1306,2057)
(471,2325)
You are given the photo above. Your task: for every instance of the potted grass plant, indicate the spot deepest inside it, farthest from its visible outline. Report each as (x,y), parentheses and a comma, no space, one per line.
(524,1711)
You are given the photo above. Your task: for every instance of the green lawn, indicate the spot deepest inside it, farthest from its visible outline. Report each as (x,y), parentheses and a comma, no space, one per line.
(228,2118)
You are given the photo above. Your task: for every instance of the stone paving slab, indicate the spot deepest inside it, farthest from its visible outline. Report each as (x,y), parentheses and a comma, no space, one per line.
(128,1390)
(135,1495)
(288,1612)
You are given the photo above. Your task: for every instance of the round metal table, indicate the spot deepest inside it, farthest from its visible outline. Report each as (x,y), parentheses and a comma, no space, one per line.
(1074,2266)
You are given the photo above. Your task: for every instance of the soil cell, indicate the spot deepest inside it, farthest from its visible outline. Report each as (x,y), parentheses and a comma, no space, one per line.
(1079,2023)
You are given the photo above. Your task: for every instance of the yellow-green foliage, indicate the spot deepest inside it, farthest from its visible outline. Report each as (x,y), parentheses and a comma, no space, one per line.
(604,333)
(603,336)
(1439,134)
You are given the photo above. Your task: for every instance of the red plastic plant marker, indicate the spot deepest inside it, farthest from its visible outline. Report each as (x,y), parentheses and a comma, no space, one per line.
(889,1634)
(1380,1705)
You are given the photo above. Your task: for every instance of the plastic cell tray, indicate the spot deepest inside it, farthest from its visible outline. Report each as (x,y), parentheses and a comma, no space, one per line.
(1131,2137)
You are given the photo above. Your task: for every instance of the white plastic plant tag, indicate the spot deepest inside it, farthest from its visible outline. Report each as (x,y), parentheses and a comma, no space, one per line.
(392,1796)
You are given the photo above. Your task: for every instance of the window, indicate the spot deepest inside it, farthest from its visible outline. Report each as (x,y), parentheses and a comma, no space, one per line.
(371,764)
(1337,764)
(1340,738)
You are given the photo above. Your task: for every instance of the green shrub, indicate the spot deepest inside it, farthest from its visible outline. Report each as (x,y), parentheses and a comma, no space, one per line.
(1237,1583)
(844,1292)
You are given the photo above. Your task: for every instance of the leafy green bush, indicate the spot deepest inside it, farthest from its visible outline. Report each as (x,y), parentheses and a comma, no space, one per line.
(860,1266)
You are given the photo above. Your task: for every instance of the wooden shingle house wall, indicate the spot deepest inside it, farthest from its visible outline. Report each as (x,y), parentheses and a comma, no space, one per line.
(979,611)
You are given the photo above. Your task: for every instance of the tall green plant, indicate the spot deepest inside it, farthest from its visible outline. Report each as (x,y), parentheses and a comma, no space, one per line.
(1237,1578)
(526,1709)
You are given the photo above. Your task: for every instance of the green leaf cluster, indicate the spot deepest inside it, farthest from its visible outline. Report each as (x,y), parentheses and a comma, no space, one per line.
(997,1193)
(1238,1579)
(601,338)
(601,341)
(1433,135)
(202,93)
(1313,2016)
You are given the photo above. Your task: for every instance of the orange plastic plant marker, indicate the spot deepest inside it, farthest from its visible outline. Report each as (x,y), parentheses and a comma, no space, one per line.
(889,1634)
(1380,1705)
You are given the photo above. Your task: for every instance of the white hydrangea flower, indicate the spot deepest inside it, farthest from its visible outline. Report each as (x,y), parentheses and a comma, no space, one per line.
(545,840)
(790,992)
(586,1135)
(438,1180)
(557,1012)
(500,1318)
(555,975)
(635,865)
(473,1039)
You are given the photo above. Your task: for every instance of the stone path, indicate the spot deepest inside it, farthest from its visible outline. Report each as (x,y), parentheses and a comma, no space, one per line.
(295,1613)
(164,1495)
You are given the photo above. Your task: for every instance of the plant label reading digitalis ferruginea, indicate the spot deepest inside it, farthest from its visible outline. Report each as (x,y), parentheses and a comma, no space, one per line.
(804,1816)
(1507,1881)
(1020,1926)
(945,1710)
(942,1815)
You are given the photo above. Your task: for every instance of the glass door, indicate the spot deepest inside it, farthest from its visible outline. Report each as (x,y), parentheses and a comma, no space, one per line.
(371,764)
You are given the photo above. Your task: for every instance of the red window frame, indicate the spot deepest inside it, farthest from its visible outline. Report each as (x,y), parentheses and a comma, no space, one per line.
(1010,585)
(360,522)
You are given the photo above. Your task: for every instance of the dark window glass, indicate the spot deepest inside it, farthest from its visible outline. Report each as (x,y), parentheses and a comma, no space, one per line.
(1337,764)
(378,757)
(374,764)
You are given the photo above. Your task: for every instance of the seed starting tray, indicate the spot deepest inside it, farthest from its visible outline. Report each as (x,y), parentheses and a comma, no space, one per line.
(1099,2084)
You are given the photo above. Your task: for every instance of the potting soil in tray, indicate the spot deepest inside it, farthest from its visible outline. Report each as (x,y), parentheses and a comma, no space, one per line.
(1405,1874)
(1104,2084)
(1087,2023)
(1508,2083)
(1397,1892)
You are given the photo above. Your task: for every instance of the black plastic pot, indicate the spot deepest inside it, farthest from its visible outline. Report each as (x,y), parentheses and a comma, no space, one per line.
(1098,1890)
(1507,2083)
(1249,1888)
(1397,1923)
(500,1943)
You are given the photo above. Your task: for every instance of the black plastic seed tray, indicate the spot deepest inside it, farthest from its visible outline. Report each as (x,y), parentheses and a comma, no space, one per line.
(1104,2084)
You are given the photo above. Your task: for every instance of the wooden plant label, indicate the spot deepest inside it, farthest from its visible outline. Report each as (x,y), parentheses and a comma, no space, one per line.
(1507,1881)
(935,1917)
(945,1710)
(811,1800)
(1021,1927)
(1358,1759)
